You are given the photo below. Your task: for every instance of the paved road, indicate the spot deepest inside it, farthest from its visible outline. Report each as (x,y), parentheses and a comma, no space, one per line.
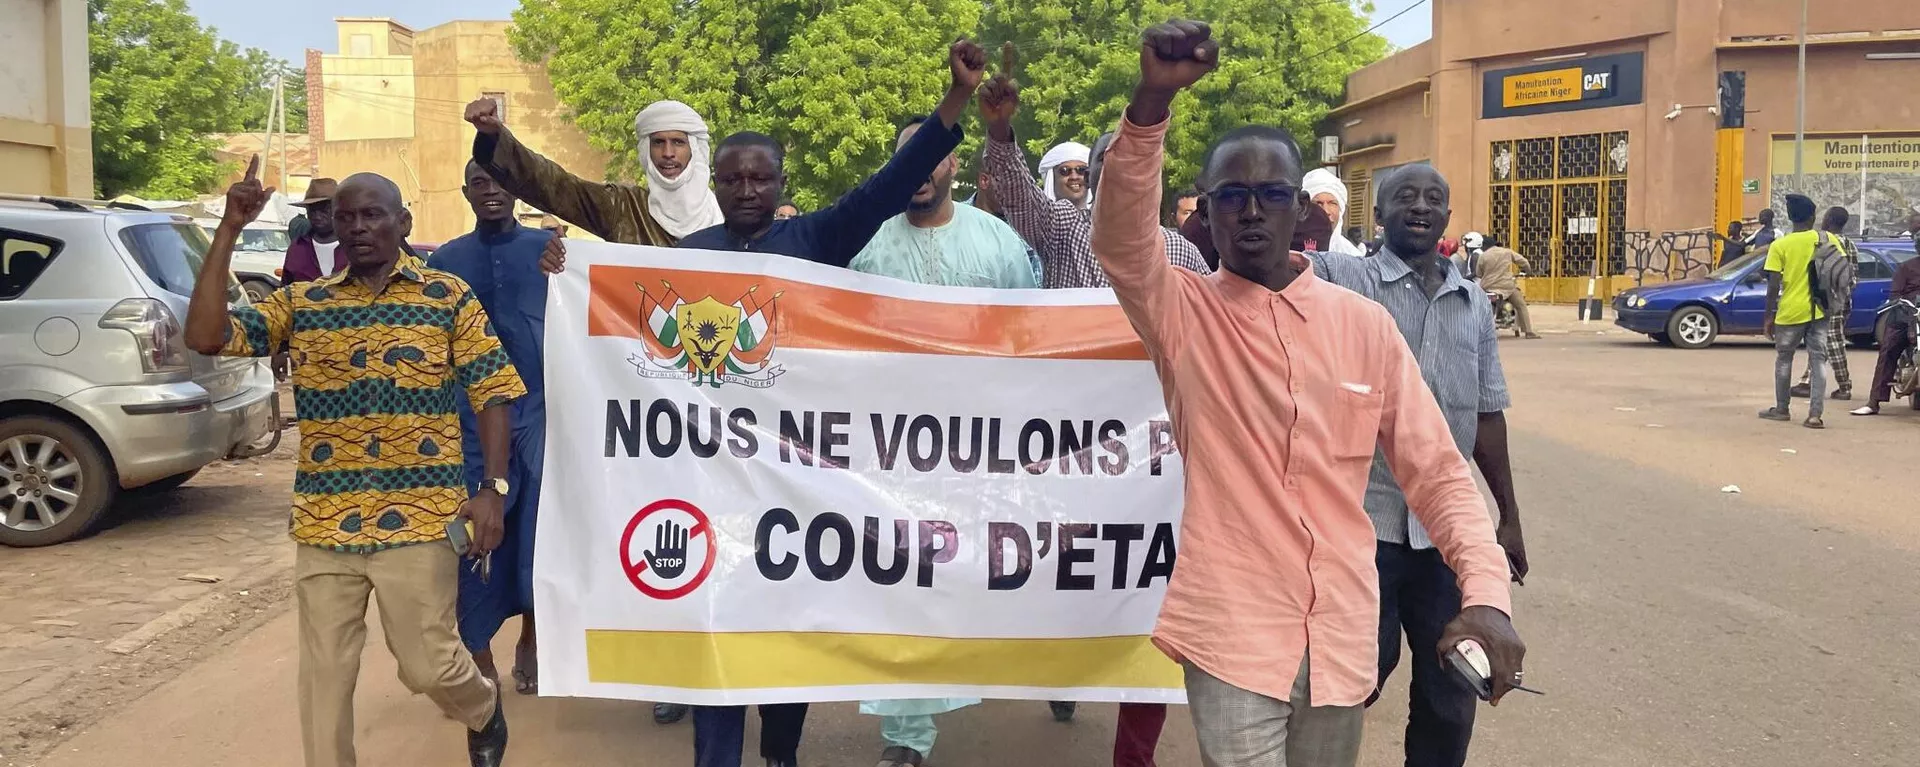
(1671,623)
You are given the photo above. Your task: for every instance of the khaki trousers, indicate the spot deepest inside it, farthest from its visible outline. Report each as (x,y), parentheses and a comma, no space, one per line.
(415,587)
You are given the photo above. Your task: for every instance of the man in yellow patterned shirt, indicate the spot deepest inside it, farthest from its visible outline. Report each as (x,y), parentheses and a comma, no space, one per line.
(380,353)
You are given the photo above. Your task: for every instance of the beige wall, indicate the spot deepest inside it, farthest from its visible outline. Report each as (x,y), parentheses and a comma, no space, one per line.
(425,150)
(1672,166)
(46,143)
(1750,18)
(368,97)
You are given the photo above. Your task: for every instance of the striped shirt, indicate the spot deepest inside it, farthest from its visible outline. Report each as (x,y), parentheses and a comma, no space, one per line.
(1452,337)
(375,383)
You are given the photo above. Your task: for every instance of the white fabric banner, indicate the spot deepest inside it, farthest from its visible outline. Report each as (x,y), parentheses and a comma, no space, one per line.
(772,481)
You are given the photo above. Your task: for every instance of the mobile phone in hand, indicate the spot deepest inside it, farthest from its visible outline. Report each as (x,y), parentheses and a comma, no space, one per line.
(460,535)
(1470,662)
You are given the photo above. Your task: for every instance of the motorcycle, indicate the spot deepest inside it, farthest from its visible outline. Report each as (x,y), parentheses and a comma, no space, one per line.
(1505,317)
(1906,373)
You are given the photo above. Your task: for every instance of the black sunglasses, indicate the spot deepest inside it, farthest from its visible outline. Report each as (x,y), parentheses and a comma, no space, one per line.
(1066,171)
(1233,198)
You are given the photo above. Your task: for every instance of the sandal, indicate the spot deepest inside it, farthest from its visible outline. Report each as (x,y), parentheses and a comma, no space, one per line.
(900,756)
(1814,423)
(526,671)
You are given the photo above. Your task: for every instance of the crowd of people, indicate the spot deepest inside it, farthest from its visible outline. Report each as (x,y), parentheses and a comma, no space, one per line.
(1329,507)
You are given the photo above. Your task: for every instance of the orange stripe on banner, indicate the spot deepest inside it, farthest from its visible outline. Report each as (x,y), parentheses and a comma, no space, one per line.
(808,316)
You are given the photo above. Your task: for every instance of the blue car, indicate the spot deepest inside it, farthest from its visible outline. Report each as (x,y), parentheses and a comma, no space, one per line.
(1732,300)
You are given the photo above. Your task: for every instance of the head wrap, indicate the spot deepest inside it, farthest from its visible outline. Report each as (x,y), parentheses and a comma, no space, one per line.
(686,204)
(1322,181)
(1060,154)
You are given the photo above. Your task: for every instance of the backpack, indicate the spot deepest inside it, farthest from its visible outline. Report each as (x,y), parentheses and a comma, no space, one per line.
(1832,273)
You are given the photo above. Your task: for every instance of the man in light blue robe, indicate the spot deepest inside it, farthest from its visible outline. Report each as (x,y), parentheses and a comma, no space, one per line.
(938,242)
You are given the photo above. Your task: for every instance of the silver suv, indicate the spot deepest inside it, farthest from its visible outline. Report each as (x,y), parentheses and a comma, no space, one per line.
(98,391)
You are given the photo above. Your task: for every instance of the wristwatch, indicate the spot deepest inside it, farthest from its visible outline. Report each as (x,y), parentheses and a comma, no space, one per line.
(497,484)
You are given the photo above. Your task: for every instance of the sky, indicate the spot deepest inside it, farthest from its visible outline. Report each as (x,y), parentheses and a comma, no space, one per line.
(291,28)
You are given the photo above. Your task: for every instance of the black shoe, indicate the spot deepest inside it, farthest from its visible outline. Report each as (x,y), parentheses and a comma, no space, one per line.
(782,763)
(1841,394)
(1801,390)
(1776,414)
(668,713)
(487,747)
(1062,710)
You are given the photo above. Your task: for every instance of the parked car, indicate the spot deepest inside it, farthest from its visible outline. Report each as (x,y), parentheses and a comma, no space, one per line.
(1732,300)
(98,391)
(257,257)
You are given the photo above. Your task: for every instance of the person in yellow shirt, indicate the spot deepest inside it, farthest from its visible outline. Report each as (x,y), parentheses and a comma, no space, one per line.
(1792,318)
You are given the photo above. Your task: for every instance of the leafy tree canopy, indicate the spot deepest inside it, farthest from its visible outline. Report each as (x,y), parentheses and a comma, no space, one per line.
(161,83)
(834,79)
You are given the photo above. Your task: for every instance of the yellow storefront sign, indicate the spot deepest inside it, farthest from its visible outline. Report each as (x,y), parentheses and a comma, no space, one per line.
(1874,153)
(1549,87)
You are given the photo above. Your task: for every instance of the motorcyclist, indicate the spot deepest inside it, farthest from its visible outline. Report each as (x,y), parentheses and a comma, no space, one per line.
(1900,331)
(1483,260)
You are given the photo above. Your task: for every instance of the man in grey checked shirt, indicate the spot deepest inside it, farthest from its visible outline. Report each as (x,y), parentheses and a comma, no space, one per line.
(1448,322)
(1058,230)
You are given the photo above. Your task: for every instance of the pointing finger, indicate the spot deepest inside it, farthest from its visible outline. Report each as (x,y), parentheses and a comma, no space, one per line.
(1007,55)
(253,168)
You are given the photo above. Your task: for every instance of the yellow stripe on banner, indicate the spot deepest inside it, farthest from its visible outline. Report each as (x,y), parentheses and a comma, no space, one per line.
(693,660)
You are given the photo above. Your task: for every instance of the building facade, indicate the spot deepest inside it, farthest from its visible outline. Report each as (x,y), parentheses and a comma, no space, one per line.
(393,101)
(1592,136)
(46,124)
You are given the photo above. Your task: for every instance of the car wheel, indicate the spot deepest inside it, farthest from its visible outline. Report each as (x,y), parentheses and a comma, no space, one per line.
(169,483)
(257,291)
(55,481)
(1661,339)
(1693,327)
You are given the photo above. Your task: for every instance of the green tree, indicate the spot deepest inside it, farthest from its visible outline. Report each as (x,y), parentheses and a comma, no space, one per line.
(161,82)
(1283,62)
(833,79)
(256,97)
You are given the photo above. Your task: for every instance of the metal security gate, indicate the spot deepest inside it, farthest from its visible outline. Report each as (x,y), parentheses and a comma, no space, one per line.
(1562,202)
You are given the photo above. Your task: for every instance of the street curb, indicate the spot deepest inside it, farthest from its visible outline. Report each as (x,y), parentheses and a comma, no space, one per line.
(185,615)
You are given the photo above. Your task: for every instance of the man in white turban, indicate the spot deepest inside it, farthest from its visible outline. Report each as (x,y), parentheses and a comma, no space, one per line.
(1326,191)
(678,154)
(676,202)
(1063,172)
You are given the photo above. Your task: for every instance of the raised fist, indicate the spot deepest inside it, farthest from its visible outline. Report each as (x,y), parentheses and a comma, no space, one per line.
(968,61)
(484,113)
(1175,55)
(1000,97)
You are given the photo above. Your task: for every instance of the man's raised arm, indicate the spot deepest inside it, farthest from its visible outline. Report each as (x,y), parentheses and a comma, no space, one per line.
(1028,210)
(844,228)
(599,208)
(252,331)
(1127,237)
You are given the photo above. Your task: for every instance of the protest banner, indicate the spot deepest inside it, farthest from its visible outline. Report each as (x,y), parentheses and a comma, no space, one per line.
(769,480)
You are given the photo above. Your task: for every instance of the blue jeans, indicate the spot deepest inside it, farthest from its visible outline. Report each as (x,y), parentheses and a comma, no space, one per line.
(720,731)
(1419,594)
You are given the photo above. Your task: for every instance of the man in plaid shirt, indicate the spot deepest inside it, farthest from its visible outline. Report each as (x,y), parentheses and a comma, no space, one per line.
(1058,230)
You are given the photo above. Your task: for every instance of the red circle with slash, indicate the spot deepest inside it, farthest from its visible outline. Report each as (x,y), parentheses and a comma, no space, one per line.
(634,566)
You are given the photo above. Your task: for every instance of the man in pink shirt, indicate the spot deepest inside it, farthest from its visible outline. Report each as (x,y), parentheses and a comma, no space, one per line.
(1280,385)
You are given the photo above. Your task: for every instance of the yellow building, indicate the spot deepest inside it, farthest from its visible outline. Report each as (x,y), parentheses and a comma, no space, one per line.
(392,101)
(46,124)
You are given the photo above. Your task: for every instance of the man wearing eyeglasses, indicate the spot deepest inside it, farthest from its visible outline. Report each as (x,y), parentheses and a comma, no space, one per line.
(1447,322)
(1280,387)
(1059,230)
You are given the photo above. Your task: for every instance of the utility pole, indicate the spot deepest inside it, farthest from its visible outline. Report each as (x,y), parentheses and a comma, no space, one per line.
(280,108)
(1800,110)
